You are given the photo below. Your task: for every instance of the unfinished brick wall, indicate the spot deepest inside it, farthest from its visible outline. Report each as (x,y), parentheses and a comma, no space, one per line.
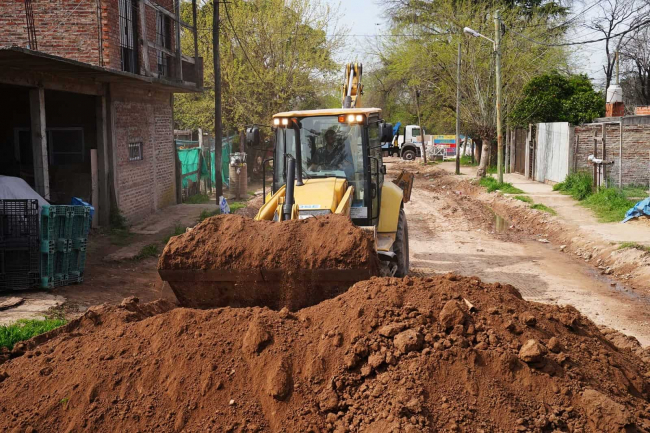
(636,151)
(66,28)
(147,185)
(72,29)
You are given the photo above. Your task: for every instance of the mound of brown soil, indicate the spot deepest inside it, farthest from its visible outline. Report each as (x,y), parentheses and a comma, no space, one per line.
(243,263)
(435,354)
(236,242)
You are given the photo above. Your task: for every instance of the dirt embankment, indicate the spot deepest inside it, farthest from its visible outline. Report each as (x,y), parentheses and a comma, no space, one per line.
(629,265)
(443,353)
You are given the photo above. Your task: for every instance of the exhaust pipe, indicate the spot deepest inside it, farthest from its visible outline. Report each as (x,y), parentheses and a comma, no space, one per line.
(289,199)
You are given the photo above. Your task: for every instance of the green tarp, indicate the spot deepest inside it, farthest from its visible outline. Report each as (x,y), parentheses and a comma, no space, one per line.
(189,159)
(225,161)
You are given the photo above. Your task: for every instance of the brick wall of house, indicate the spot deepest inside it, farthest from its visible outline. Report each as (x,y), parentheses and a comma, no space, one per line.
(71,29)
(636,151)
(66,28)
(148,185)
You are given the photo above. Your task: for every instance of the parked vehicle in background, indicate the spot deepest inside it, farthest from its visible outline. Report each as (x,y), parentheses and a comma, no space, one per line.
(409,143)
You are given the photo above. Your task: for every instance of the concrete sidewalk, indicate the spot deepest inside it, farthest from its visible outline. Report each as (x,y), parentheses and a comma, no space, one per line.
(569,210)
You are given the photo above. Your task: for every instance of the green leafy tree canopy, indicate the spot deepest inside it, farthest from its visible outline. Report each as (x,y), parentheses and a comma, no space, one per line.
(553,97)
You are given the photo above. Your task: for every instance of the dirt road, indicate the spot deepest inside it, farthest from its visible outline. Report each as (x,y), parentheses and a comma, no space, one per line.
(451,231)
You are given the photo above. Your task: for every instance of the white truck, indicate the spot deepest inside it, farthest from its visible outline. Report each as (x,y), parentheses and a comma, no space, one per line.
(410,143)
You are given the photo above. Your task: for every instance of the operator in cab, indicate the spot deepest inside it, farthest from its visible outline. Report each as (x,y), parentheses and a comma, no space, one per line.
(332,156)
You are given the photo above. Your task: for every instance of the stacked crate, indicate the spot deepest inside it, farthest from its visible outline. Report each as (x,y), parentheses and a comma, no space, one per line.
(64,235)
(19,249)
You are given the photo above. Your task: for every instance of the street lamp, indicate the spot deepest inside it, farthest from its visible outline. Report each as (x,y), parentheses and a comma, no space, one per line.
(497,51)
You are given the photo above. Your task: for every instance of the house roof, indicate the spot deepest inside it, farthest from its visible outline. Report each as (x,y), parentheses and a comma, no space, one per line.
(23,59)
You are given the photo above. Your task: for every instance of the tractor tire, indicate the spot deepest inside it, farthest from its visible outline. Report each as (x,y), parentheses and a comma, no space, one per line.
(401,246)
(408,155)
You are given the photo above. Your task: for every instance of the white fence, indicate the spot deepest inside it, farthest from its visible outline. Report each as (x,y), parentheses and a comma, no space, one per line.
(553,151)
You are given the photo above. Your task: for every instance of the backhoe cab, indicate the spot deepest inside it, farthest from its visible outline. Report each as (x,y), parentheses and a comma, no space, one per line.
(330,162)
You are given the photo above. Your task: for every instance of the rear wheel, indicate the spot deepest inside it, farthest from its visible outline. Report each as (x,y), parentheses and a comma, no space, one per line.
(408,155)
(401,246)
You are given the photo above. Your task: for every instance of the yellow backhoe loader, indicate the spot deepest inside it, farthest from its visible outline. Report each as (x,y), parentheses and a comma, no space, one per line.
(330,162)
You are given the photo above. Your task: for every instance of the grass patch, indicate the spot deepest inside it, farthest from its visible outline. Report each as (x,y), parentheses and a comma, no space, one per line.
(634,245)
(635,191)
(234,206)
(543,208)
(524,198)
(147,251)
(466,161)
(178,230)
(493,185)
(578,185)
(198,199)
(25,329)
(208,213)
(609,204)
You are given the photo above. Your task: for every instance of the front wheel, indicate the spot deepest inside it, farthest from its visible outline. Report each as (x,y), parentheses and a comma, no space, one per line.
(408,155)
(401,245)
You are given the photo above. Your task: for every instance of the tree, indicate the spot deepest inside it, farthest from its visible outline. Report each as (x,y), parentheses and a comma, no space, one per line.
(556,98)
(616,22)
(635,57)
(276,55)
(422,53)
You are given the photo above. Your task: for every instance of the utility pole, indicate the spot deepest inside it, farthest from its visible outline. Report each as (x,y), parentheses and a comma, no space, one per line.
(497,52)
(458,109)
(424,147)
(217,100)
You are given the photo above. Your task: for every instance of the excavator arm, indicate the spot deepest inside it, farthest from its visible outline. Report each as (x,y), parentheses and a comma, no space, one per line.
(352,87)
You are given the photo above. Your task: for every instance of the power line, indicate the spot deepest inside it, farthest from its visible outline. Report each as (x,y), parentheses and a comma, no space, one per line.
(567,44)
(225,6)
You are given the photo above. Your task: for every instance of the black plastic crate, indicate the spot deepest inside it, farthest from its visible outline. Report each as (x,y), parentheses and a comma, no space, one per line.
(19,245)
(19,219)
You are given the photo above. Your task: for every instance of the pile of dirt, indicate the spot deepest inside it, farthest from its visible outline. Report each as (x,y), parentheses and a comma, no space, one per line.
(236,242)
(291,264)
(436,354)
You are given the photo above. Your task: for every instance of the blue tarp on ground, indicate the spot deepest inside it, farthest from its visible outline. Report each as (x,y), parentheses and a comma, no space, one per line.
(639,209)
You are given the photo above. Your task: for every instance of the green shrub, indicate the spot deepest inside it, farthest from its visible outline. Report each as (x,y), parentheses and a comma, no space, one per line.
(147,251)
(578,185)
(25,329)
(492,185)
(178,230)
(116,219)
(198,199)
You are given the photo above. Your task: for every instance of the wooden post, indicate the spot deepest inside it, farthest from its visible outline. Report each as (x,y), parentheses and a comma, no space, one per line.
(506,162)
(39,142)
(94,181)
(595,156)
(102,205)
(179,53)
(604,166)
(145,41)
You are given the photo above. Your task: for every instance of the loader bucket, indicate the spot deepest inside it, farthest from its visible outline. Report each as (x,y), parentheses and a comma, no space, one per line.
(272,288)
(231,260)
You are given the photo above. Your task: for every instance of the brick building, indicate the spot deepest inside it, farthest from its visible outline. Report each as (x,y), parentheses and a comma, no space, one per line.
(87,91)
(628,136)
